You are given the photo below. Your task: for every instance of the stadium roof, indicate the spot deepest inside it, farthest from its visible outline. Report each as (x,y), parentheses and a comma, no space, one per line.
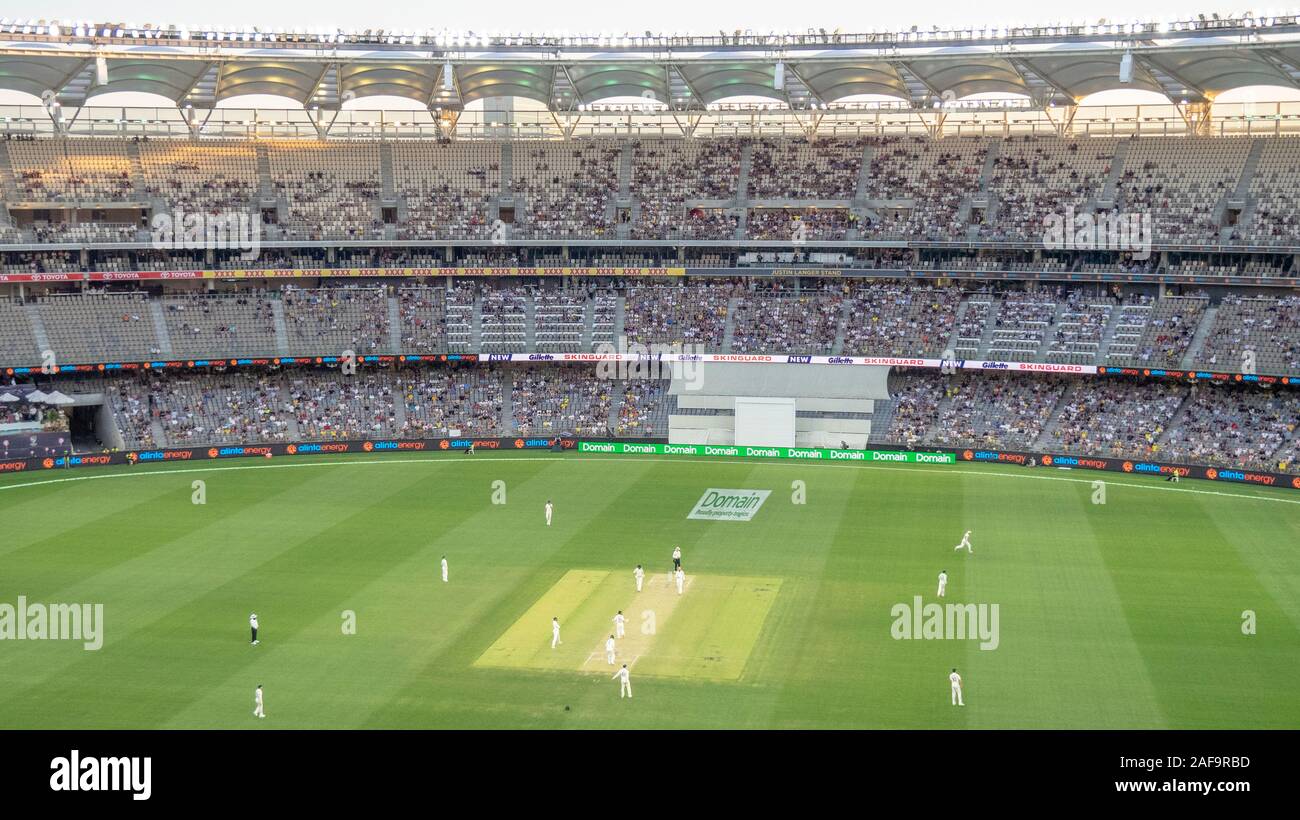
(1056,64)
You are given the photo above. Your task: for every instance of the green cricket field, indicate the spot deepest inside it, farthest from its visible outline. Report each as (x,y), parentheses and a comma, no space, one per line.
(1145,605)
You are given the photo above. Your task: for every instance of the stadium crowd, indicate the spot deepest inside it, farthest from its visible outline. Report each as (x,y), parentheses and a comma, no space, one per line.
(1222,425)
(880,187)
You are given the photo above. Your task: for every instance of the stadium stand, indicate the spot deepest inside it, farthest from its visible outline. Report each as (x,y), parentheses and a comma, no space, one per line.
(1168,331)
(335,320)
(567,189)
(1195,189)
(799,169)
(1179,182)
(1198,190)
(200,324)
(888,319)
(936,176)
(67,170)
(99,326)
(1257,328)
(423,313)
(550,401)
(448,188)
(672,314)
(1037,176)
(330,191)
(212,176)
(17,343)
(457,402)
(799,324)
(666,174)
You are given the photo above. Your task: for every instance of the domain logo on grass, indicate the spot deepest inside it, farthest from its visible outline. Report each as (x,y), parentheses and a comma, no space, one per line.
(728,505)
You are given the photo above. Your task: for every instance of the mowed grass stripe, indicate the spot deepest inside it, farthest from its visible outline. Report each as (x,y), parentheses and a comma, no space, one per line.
(341,569)
(1184,605)
(1266,545)
(883,542)
(140,524)
(405,615)
(41,515)
(186,542)
(1066,646)
(169,614)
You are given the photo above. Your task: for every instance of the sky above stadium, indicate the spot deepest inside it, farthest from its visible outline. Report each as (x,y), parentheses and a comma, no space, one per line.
(658,16)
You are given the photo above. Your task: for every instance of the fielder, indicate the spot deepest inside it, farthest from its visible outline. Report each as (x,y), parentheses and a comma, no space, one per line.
(609,650)
(955,679)
(965,542)
(639,575)
(943,581)
(444,569)
(258,709)
(555,633)
(252,623)
(625,682)
(681,579)
(549,510)
(619,620)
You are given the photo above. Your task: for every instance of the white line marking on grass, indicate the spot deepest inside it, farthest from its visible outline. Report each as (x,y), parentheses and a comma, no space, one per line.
(935,470)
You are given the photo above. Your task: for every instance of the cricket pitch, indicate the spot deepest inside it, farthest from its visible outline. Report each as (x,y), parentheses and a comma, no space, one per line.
(706,633)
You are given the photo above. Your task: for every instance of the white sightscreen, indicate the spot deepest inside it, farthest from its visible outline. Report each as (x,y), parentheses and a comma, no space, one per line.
(765,422)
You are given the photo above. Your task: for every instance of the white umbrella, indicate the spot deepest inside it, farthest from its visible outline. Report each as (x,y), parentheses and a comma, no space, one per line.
(58,398)
(36,395)
(8,397)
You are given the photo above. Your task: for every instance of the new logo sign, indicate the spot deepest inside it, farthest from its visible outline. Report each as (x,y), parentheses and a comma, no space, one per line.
(728,505)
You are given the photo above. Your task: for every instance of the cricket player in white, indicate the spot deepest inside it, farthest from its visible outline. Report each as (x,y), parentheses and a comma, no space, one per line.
(955,679)
(549,510)
(619,620)
(625,682)
(965,542)
(677,558)
(639,575)
(681,579)
(943,581)
(609,650)
(252,623)
(555,633)
(258,709)
(444,569)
